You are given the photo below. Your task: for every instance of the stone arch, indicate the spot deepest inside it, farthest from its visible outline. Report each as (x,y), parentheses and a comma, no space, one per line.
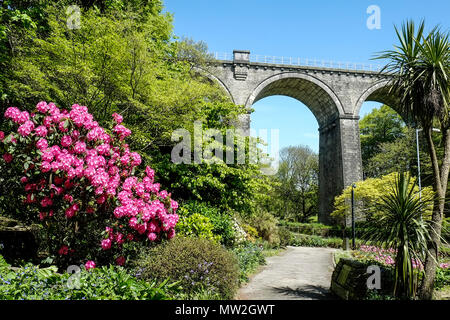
(215,79)
(378,92)
(315,94)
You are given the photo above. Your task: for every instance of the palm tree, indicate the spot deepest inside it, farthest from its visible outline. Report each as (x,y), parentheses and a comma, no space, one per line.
(401,227)
(420,69)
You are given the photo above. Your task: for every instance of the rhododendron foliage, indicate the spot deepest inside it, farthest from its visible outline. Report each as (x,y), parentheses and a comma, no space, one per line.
(81,183)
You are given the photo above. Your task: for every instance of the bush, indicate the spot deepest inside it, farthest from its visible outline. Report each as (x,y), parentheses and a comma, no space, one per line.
(223,224)
(252,233)
(79,182)
(111,283)
(302,240)
(266,225)
(249,256)
(198,264)
(311,228)
(198,226)
(286,237)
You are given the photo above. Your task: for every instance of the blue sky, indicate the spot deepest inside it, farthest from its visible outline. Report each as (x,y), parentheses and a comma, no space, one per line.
(327,29)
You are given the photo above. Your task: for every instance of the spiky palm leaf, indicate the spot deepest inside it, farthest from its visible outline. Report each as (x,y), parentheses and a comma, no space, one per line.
(401,227)
(420,70)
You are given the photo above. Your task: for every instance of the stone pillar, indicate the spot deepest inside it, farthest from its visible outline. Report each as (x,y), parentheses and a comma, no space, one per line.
(351,149)
(330,169)
(339,161)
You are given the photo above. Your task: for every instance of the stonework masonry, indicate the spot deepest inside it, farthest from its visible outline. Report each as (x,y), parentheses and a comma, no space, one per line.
(334,96)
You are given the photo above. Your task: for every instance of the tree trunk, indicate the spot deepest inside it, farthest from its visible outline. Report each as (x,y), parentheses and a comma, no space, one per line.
(440,187)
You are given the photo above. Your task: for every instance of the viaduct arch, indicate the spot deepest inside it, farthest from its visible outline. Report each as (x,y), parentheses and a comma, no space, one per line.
(334,96)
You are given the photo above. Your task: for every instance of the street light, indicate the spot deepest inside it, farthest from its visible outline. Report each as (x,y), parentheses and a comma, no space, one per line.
(418,159)
(353,217)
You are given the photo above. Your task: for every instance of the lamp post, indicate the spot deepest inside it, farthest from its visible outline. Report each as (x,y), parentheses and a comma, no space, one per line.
(418,159)
(353,217)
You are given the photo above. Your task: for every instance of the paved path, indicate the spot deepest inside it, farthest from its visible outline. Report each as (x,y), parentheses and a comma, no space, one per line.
(299,273)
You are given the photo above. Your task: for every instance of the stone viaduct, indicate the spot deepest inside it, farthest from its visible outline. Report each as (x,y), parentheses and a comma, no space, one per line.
(334,96)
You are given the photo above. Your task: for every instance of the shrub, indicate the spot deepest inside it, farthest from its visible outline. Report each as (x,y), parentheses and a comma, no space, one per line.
(302,240)
(286,237)
(369,193)
(112,283)
(252,233)
(223,224)
(266,225)
(198,226)
(80,183)
(198,264)
(249,256)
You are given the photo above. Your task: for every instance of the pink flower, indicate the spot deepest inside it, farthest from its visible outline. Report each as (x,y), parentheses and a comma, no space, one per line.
(13,113)
(70,212)
(2,135)
(46,202)
(118,118)
(80,147)
(141,228)
(68,198)
(7,157)
(136,159)
(106,244)
(42,107)
(45,166)
(171,234)
(63,250)
(90,265)
(42,144)
(41,131)
(66,141)
(120,260)
(121,131)
(152,236)
(133,223)
(163,194)
(26,128)
(173,204)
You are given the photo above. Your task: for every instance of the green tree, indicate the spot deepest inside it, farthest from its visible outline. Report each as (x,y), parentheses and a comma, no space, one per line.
(297,192)
(420,66)
(123,59)
(369,193)
(382,125)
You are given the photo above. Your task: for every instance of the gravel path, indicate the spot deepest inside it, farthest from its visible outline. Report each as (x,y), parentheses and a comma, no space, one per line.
(299,273)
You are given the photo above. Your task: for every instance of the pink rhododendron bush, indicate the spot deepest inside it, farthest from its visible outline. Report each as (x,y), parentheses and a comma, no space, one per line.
(82,184)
